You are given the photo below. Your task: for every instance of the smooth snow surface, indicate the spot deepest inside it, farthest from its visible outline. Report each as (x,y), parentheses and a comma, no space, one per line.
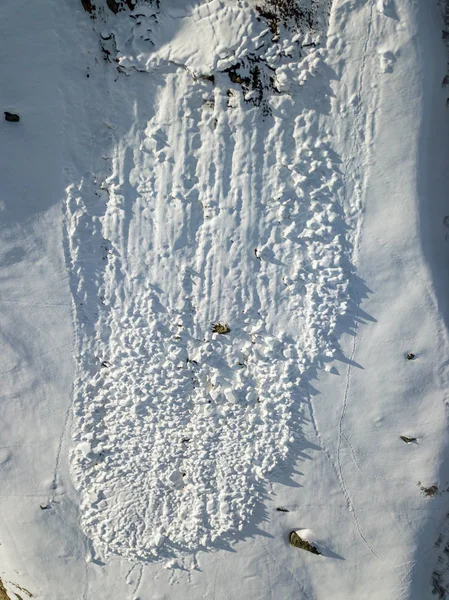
(187,165)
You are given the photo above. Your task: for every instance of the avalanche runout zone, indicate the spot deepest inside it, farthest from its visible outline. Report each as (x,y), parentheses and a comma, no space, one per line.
(212,214)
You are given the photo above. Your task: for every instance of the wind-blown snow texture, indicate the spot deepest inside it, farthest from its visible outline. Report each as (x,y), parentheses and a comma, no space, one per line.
(217,209)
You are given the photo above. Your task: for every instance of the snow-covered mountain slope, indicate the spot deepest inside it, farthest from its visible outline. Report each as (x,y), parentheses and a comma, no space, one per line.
(227,233)
(217,211)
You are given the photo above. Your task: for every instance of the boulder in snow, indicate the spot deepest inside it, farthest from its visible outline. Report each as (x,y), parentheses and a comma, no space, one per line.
(299,542)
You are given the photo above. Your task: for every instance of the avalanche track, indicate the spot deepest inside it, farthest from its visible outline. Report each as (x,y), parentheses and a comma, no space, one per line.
(221,205)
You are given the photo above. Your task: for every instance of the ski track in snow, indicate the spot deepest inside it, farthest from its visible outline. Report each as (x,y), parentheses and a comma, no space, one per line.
(358,156)
(213,213)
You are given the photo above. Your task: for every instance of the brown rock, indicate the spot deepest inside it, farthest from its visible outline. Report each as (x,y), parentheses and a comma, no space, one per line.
(298,542)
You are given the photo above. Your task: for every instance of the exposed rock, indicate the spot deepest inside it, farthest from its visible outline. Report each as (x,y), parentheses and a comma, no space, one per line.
(3,592)
(429,492)
(408,440)
(298,542)
(113,5)
(88,6)
(11,117)
(286,12)
(221,328)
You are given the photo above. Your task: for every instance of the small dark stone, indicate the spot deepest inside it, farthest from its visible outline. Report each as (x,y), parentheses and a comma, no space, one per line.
(282,509)
(11,117)
(410,356)
(408,440)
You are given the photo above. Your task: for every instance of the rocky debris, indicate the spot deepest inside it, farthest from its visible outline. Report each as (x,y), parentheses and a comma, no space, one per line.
(287,12)
(88,6)
(11,117)
(410,356)
(438,587)
(299,542)
(113,5)
(221,328)
(282,509)
(255,77)
(429,492)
